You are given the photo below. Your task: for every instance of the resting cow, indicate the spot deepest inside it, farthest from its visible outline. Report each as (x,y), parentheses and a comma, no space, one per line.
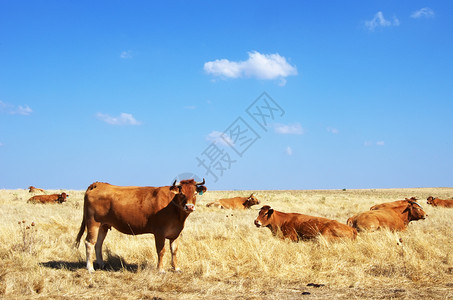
(32,189)
(439,202)
(296,226)
(161,211)
(54,198)
(394,219)
(235,203)
(393,204)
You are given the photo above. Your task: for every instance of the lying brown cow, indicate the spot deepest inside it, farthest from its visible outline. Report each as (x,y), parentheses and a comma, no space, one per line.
(161,211)
(392,204)
(395,219)
(32,189)
(235,203)
(296,226)
(439,202)
(54,198)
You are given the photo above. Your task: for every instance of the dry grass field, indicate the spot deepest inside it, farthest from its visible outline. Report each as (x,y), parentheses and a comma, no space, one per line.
(224,256)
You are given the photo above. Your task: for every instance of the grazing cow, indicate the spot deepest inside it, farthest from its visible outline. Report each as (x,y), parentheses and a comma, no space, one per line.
(392,204)
(302,227)
(439,202)
(32,189)
(395,219)
(161,211)
(235,203)
(54,198)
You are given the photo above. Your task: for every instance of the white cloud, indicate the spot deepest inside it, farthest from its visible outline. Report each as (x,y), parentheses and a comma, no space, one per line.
(370,143)
(295,128)
(122,119)
(260,66)
(424,12)
(220,138)
(333,130)
(13,110)
(23,110)
(380,21)
(126,55)
(289,150)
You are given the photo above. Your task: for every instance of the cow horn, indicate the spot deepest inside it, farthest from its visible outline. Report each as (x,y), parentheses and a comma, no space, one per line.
(200,183)
(174,183)
(412,202)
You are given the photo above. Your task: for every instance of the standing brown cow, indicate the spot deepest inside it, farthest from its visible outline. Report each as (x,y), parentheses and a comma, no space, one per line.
(235,203)
(161,211)
(395,219)
(439,202)
(54,198)
(302,227)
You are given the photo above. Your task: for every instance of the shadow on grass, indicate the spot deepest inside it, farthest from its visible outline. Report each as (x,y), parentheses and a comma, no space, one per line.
(114,263)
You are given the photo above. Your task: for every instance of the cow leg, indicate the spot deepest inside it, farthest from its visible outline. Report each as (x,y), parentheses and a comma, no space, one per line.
(160,248)
(92,235)
(174,249)
(101,236)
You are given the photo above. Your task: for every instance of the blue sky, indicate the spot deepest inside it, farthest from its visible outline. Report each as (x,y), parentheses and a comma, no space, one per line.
(358,93)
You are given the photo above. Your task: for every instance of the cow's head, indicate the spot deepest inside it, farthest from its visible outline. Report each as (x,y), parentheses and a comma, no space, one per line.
(251,200)
(186,192)
(430,200)
(31,188)
(264,216)
(415,211)
(62,197)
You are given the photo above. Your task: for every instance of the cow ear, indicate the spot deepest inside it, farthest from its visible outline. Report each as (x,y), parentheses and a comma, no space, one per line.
(270,212)
(174,189)
(201,189)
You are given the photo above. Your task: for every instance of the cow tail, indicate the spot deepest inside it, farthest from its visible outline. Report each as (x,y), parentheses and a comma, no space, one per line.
(82,226)
(81,231)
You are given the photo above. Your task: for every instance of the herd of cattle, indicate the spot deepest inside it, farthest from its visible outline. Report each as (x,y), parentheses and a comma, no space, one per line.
(162,211)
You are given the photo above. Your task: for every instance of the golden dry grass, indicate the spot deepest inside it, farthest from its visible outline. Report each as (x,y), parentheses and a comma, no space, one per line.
(224,256)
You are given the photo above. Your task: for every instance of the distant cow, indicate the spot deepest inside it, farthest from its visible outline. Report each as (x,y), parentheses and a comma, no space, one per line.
(296,226)
(32,189)
(394,219)
(393,204)
(54,198)
(439,202)
(134,210)
(235,203)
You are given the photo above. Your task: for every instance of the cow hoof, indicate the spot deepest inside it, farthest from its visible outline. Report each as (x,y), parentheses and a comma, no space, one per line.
(161,271)
(177,270)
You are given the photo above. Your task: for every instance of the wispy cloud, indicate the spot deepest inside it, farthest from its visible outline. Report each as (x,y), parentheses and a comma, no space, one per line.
(424,12)
(289,150)
(333,130)
(23,110)
(220,138)
(379,21)
(126,54)
(260,66)
(122,119)
(294,128)
(370,143)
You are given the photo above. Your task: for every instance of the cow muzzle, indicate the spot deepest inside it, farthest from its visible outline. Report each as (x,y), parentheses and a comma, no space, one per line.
(189,207)
(257,223)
